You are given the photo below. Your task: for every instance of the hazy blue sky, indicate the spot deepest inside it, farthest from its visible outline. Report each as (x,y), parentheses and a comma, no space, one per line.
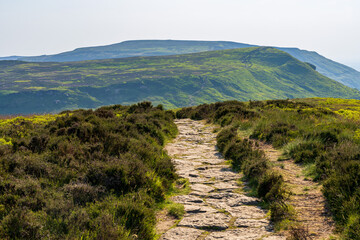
(35,27)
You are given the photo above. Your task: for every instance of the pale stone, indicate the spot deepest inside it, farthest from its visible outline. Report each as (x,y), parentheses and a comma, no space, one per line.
(252,223)
(224,200)
(238,234)
(247,212)
(181,233)
(274,237)
(195,209)
(215,221)
(187,199)
(226,186)
(201,188)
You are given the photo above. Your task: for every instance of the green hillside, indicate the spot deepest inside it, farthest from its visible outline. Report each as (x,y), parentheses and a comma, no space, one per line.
(334,70)
(133,48)
(175,81)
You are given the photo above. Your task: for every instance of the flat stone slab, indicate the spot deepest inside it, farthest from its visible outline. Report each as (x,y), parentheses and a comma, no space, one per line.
(195,180)
(214,161)
(202,188)
(274,237)
(252,223)
(223,174)
(247,212)
(181,233)
(198,194)
(226,186)
(224,200)
(238,234)
(195,209)
(181,164)
(188,199)
(215,221)
(206,167)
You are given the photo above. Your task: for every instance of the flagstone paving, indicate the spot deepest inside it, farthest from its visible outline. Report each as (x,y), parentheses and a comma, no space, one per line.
(215,207)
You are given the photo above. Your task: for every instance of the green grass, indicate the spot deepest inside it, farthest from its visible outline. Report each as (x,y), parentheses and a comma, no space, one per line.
(176,210)
(327,67)
(314,132)
(174,81)
(85,174)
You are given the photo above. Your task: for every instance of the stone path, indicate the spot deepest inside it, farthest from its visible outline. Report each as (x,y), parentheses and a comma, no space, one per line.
(215,208)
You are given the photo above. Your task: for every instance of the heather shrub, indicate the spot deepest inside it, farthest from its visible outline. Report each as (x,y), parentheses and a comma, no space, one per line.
(270,186)
(320,132)
(135,213)
(255,167)
(85,174)
(278,133)
(82,193)
(225,136)
(244,156)
(280,211)
(352,228)
(306,152)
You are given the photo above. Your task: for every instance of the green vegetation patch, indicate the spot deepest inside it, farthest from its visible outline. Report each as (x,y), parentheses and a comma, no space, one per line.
(322,134)
(85,174)
(6,92)
(22,81)
(256,73)
(36,88)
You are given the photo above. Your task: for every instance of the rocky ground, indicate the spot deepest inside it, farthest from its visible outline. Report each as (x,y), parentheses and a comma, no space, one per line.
(216,208)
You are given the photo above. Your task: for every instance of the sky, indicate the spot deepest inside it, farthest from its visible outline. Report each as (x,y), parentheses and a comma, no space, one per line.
(36,27)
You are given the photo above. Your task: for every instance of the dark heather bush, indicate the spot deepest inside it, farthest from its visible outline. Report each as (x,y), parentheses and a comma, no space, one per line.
(255,167)
(244,156)
(223,113)
(277,133)
(280,211)
(269,186)
(87,174)
(306,152)
(224,137)
(328,132)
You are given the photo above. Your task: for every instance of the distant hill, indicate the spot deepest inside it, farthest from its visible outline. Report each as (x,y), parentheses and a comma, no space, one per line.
(133,49)
(339,72)
(175,81)
(334,70)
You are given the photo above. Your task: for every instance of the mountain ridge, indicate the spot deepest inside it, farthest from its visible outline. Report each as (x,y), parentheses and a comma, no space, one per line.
(254,73)
(132,48)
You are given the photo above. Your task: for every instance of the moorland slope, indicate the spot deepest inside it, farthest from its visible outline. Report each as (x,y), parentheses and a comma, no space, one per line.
(313,146)
(255,73)
(337,71)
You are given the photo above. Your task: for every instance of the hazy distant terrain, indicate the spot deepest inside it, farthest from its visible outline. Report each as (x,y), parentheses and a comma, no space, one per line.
(174,81)
(339,72)
(133,49)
